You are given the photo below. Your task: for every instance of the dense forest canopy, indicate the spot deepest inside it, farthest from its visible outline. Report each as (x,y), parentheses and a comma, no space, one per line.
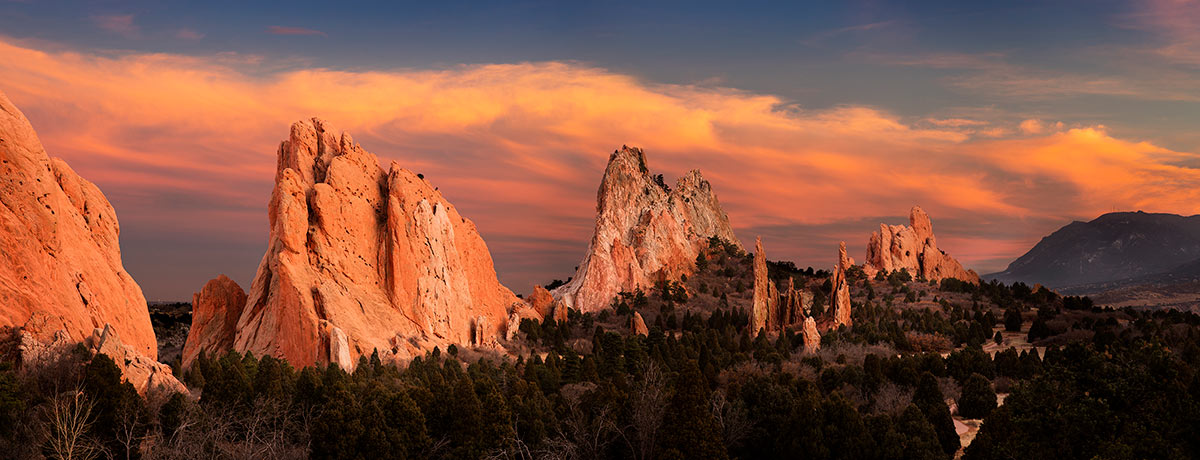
(1049,376)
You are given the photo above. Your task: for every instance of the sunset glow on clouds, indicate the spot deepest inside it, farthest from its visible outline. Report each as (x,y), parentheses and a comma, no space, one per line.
(185,145)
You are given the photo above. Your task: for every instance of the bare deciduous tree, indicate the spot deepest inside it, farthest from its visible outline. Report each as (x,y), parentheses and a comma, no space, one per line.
(731,417)
(891,399)
(67,419)
(648,407)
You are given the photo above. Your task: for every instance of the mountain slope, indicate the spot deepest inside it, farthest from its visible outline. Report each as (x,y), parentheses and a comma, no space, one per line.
(1112,247)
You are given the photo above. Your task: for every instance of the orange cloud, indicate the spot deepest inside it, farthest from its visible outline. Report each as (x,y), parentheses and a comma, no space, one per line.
(185,146)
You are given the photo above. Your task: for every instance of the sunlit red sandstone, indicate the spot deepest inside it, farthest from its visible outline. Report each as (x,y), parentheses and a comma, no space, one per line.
(61,280)
(914,248)
(360,260)
(645,231)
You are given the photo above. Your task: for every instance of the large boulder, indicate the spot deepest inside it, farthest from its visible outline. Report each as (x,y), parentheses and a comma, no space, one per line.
(361,259)
(60,262)
(914,248)
(645,231)
(215,312)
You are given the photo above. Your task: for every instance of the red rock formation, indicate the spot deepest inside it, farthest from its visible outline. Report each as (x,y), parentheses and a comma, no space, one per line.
(215,312)
(637,325)
(840,297)
(812,338)
(561,312)
(762,312)
(913,247)
(61,266)
(143,373)
(360,259)
(541,301)
(644,232)
(796,304)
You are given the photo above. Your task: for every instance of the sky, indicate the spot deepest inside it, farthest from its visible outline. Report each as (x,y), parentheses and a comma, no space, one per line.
(815,122)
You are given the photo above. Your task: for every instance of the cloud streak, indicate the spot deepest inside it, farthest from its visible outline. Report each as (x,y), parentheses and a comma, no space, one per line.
(120,24)
(184,147)
(284,30)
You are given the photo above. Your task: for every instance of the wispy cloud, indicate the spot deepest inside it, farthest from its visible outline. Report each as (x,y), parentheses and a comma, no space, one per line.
(826,35)
(120,24)
(188,34)
(1175,23)
(994,73)
(284,30)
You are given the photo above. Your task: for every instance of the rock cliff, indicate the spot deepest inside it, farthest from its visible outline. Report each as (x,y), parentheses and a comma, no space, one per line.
(645,231)
(362,259)
(61,264)
(913,247)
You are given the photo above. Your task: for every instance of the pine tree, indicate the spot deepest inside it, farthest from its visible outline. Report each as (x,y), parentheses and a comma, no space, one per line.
(689,430)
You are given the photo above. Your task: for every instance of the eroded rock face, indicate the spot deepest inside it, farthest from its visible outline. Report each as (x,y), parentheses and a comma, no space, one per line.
(376,257)
(215,312)
(60,262)
(143,373)
(645,232)
(913,247)
(840,298)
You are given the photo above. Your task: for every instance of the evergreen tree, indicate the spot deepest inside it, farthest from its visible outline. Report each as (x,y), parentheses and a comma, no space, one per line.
(978,399)
(689,430)
(928,397)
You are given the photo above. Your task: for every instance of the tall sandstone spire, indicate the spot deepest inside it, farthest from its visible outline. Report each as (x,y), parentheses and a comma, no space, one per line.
(61,277)
(841,289)
(362,259)
(645,231)
(765,298)
(914,248)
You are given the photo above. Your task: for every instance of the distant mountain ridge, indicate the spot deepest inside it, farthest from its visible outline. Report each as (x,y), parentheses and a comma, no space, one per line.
(1113,247)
